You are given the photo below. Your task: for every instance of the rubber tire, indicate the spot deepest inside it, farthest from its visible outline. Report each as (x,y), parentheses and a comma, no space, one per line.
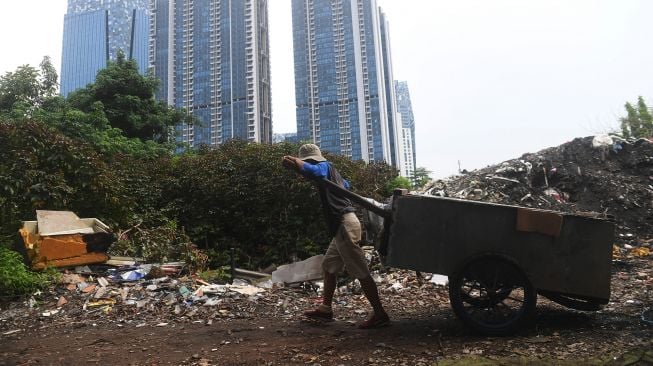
(522,319)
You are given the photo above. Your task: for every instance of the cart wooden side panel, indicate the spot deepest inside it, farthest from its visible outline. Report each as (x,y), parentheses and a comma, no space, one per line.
(439,235)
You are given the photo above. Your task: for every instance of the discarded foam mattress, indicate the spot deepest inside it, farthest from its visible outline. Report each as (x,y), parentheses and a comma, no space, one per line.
(61,239)
(306,270)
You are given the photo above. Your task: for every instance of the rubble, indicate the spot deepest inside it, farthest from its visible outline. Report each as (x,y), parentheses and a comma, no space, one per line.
(177,303)
(604,175)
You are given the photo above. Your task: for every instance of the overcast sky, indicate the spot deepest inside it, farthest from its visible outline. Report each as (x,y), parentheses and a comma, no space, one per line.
(489,79)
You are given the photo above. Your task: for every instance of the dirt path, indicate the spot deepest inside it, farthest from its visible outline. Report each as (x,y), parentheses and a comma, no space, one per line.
(266,329)
(431,337)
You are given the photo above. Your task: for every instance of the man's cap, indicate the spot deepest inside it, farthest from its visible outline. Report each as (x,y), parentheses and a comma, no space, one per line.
(310,152)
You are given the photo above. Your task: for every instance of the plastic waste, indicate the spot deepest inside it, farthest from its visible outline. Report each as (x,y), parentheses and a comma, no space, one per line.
(439,280)
(136,274)
(602,140)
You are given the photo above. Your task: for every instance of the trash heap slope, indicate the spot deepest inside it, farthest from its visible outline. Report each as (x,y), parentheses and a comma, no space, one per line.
(606,175)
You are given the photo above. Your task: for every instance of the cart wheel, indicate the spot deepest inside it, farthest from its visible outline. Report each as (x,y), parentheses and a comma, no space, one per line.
(492,296)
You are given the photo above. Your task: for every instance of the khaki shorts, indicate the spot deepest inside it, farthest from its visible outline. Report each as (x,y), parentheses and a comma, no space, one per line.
(345,251)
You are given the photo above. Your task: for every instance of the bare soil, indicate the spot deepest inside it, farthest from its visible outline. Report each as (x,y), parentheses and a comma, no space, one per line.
(269,330)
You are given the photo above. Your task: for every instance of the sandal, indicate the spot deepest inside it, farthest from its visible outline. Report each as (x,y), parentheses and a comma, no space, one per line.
(376,321)
(322,312)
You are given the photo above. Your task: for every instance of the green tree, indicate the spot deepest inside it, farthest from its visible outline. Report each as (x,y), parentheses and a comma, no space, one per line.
(49,79)
(638,121)
(421,176)
(128,101)
(397,182)
(20,86)
(93,127)
(27,88)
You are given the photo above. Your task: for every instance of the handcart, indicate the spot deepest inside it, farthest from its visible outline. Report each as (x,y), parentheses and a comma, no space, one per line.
(498,257)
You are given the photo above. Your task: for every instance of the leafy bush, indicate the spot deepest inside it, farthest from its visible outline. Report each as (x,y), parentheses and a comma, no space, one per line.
(15,278)
(40,168)
(238,195)
(235,196)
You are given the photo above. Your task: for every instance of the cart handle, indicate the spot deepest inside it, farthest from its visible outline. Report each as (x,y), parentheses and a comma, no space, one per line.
(354,197)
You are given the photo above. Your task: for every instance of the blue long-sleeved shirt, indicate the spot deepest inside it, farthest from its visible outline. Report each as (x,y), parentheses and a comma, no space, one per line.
(319,170)
(333,205)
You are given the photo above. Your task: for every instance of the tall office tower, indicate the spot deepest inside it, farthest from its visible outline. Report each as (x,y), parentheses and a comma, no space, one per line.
(95,31)
(394,123)
(405,109)
(340,77)
(212,57)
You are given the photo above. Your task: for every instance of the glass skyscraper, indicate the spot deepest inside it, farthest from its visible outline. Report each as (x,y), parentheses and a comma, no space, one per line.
(212,57)
(394,126)
(94,32)
(342,67)
(405,109)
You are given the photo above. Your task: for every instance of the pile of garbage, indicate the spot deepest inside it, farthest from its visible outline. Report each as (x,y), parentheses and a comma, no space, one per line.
(141,293)
(147,295)
(606,175)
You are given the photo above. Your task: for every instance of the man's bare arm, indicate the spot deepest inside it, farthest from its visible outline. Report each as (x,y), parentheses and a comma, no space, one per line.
(292,162)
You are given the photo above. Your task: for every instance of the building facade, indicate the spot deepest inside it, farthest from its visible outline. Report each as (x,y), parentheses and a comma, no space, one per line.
(341,61)
(285,137)
(212,58)
(95,31)
(394,122)
(405,109)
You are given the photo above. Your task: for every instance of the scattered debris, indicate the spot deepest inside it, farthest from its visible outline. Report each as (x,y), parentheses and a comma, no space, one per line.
(415,301)
(647,316)
(50,312)
(62,301)
(439,280)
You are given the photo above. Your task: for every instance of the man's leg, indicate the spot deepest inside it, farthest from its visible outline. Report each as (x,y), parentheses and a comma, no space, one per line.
(372,294)
(332,264)
(356,265)
(324,311)
(380,317)
(329,288)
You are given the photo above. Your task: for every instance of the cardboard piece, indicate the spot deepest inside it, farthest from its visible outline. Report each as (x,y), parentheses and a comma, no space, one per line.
(543,222)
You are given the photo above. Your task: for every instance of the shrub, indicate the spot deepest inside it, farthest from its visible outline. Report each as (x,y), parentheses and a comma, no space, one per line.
(204,201)
(15,278)
(40,168)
